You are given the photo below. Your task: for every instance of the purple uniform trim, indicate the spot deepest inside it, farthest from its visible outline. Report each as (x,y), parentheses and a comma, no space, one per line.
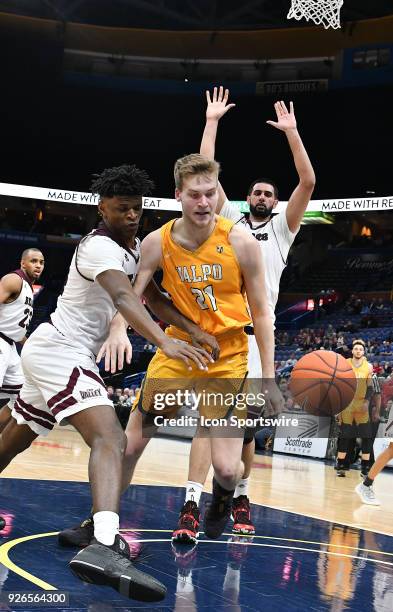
(70,401)
(23,276)
(67,391)
(35,411)
(28,417)
(11,389)
(94,376)
(9,341)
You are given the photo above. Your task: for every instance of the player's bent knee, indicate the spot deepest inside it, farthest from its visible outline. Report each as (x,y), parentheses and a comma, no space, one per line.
(115,440)
(226,472)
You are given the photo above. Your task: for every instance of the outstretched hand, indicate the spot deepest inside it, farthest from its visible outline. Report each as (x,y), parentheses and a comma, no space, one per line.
(115,349)
(286,120)
(217,105)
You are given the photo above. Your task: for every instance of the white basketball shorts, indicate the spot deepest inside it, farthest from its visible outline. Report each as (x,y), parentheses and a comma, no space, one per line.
(254,360)
(11,373)
(60,380)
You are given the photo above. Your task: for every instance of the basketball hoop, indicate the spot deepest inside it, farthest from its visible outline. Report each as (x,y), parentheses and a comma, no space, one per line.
(321,12)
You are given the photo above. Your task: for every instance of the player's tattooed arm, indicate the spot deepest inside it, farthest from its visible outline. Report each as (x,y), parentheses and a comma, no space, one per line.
(298,202)
(217,107)
(10,287)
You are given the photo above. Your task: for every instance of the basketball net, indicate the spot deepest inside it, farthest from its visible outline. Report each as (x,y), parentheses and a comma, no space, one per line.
(321,12)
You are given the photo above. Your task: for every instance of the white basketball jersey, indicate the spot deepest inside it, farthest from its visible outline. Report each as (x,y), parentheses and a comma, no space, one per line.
(16,316)
(275,239)
(85,310)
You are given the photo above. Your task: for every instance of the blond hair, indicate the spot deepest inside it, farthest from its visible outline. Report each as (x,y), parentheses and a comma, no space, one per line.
(192,165)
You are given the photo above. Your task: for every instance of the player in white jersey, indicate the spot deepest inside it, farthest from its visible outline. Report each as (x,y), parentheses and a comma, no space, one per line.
(62,379)
(275,235)
(16,311)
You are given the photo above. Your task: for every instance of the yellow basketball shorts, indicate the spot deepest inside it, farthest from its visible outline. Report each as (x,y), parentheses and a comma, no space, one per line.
(356,412)
(169,385)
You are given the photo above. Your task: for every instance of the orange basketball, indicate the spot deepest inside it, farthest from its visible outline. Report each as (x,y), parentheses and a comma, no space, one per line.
(323,382)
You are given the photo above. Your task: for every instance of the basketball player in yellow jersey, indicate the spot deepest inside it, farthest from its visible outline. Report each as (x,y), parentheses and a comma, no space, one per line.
(355,419)
(208,265)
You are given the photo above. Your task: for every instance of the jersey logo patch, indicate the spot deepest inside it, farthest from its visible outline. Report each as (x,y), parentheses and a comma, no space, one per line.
(262,236)
(220,249)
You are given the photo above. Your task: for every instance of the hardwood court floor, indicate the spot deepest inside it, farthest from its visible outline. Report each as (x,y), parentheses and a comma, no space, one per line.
(303,486)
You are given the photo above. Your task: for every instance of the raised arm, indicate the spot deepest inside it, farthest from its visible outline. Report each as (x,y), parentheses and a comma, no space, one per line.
(298,202)
(217,107)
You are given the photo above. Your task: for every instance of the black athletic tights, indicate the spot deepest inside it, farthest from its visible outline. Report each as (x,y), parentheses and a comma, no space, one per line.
(351,432)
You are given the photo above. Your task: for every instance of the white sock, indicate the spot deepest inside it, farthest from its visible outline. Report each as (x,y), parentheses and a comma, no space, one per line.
(232,579)
(184,584)
(241,487)
(106,527)
(193,491)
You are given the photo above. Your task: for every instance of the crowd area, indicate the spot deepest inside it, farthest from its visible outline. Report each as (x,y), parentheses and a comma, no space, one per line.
(369,319)
(123,399)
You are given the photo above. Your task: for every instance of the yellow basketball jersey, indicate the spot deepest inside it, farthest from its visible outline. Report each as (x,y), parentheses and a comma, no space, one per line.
(362,374)
(206,285)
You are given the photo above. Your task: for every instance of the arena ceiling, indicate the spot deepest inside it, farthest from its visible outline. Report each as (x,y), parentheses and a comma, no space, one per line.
(183,14)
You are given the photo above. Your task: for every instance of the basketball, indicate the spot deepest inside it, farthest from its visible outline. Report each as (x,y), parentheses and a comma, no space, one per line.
(323,382)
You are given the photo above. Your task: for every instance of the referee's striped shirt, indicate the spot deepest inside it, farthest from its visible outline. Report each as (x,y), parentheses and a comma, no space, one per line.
(375,383)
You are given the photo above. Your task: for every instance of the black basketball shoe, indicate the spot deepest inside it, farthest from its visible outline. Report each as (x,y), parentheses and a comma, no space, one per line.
(187,528)
(111,566)
(218,512)
(364,468)
(341,468)
(80,535)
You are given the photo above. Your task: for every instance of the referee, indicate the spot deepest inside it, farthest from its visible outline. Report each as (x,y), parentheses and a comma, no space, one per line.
(375,414)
